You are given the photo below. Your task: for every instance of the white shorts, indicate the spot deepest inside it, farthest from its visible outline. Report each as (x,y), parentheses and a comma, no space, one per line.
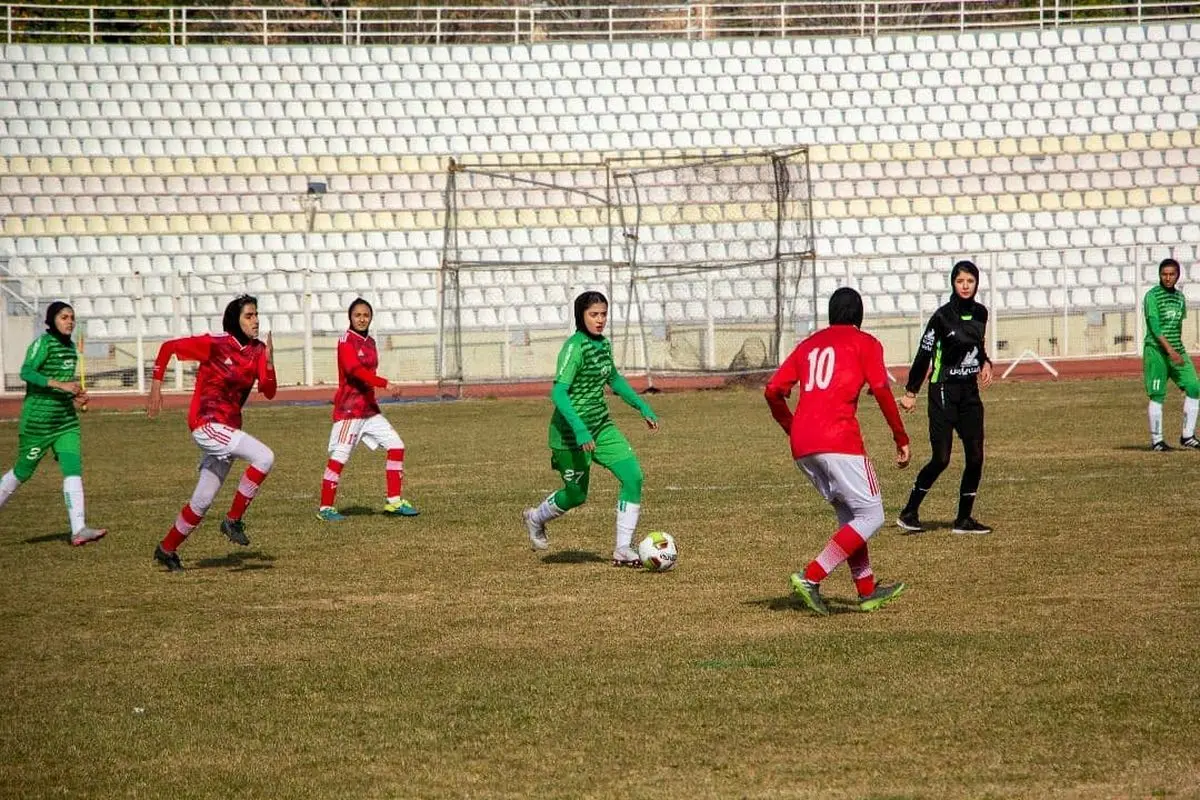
(846,479)
(374,431)
(221,444)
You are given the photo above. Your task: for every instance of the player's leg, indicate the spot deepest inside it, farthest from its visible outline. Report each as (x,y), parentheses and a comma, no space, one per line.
(377,432)
(941,439)
(67,450)
(261,458)
(342,439)
(970,431)
(8,485)
(574,467)
(212,473)
(1184,376)
(1155,371)
(30,451)
(614,452)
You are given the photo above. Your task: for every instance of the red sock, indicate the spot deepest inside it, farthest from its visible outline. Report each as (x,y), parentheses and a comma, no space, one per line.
(861,572)
(329,485)
(395,472)
(185,523)
(252,478)
(841,545)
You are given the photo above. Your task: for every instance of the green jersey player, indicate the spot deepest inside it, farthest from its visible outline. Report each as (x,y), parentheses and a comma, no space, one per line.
(48,418)
(581,430)
(1165,358)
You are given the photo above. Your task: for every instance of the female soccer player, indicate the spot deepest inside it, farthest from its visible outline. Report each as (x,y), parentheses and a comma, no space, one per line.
(356,417)
(230,363)
(955,335)
(48,418)
(581,431)
(832,366)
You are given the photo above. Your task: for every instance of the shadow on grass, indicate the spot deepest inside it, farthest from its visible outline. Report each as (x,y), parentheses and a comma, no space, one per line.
(358,511)
(837,605)
(574,557)
(239,561)
(1145,448)
(48,537)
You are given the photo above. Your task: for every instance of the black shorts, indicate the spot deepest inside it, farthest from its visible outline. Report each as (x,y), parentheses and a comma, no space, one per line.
(955,407)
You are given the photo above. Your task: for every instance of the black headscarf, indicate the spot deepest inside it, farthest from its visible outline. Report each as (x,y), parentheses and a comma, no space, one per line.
(231,322)
(358,301)
(1169,262)
(52,312)
(959,305)
(582,304)
(846,307)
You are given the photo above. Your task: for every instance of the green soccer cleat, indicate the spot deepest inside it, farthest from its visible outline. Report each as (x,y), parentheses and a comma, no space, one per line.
(809,593)
(403,508)
(330,514)
(881,596)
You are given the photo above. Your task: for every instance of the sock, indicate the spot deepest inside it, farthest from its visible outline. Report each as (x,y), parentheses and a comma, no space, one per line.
(8,485)
(1191,406)
(860,571)
(627,520)
(395,474)
(1155,412)
(966,503)
(841,545)
(915,497)
(73,495)
(252,478)
(547,511)
(185,523)
(329,484)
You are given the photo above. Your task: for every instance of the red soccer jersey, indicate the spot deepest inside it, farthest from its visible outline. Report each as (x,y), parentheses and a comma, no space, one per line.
(357,360)
(831,367)
(227,373)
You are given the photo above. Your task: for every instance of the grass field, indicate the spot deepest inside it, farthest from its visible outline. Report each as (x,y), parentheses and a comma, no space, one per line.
(439,657)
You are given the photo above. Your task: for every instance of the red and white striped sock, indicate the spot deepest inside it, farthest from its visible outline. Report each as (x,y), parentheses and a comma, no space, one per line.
(395,474)
(252,478)
(329,484)
(185,523)
(860,570)
(841,546)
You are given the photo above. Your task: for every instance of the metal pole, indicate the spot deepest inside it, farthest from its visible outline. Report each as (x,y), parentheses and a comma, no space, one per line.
(710,350)
(139,324)
(992,334)
(1066,337)
(308,331)
(1137,294)
(176,327)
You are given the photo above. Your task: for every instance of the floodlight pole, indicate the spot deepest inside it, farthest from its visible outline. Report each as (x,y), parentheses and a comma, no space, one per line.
(310,201)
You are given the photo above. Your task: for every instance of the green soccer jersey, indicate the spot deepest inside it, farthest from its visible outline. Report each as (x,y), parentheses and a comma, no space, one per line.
(1165,312)
(45,410)
(585,367)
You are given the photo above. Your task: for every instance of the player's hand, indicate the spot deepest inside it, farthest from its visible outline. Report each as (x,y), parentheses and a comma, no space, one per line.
(651,423)
(393,388)
(70,387)
(908,402)
(1176,358)
(270,349)
(154,401)
(903,456)
(985,375)
(588,446)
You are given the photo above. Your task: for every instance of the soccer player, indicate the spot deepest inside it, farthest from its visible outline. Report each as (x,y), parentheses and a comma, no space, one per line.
(230,364)
(357,418)
(954,342)
(1165,358)
(581,431)
(831,366)
(48,418)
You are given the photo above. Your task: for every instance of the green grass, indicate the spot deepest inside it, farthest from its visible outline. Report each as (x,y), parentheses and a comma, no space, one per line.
(439,657)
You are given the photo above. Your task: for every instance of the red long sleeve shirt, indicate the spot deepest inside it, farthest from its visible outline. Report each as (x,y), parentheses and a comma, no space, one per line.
(358,358)
(228,371)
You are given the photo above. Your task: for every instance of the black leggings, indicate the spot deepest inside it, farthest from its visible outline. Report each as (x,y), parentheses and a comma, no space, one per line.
(953,408)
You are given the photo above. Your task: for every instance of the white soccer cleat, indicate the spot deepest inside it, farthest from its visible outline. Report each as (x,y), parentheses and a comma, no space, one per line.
(538,539)
(626,557)
(86,535)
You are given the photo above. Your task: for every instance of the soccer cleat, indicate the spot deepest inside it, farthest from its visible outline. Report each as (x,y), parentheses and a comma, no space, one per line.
(401,508)
(86,535)
(235,530)
(1161,447)
(169,560)
(538,539)
(880,597)
(1189,443)
(970,525)
(810,593)
(626,557)
(909,521)
(329,514)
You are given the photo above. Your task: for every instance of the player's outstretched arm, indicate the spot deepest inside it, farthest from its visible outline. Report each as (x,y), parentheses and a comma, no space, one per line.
(154,401)
(267,383)
(623,390)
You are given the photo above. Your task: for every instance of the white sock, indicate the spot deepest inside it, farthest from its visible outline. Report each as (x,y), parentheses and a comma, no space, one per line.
(8,485)
(1191,406)
(547,511)
(1155,412)
(627,520)
(73,495)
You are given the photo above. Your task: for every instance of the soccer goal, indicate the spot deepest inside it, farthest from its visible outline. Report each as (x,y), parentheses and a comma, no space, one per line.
(707,261)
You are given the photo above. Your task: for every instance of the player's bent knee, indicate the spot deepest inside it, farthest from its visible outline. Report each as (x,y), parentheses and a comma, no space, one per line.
(265,460)
(574,496)
(868,521)
(340,454)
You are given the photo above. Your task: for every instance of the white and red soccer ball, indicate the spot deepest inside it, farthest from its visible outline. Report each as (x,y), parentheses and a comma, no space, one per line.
(658,552)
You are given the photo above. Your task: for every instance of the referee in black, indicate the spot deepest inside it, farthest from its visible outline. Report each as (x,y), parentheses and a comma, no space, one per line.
(954,342)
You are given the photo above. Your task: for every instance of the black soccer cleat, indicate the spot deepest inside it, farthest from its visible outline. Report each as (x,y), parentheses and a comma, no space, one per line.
(1161,447)
(235,530)
(909,521)
(970,525)
(169,560)
(1189,443)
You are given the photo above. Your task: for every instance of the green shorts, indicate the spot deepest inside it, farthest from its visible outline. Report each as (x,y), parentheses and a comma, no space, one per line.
(1157,370)
(66,446)
(611,448)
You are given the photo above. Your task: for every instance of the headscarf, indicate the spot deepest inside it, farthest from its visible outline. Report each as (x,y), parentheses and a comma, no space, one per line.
(358,301)
(231,322)
(52,312)
(846,307)
(960,305)
(582,304)
(1169,262)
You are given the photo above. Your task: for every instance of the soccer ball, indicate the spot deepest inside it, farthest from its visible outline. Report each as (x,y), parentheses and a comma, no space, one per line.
(657,552)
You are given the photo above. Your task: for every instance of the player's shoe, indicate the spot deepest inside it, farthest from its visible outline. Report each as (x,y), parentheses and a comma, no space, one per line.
(970,525)
(330,514)
(401,508)
(235,531)
(86,535)
(626,557)
(1161,447)
(809,593)
(880,597)
(538,539)
(169,560)
(909,521)
(1189,443)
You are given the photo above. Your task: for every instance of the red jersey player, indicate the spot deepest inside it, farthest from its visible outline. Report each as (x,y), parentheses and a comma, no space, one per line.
(356,417)
(230,364)
(831,367)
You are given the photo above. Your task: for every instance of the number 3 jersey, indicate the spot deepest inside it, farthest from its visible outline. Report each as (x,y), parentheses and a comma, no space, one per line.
(830,368)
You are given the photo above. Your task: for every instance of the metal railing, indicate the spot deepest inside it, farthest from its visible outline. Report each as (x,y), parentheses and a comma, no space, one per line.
(548,21)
